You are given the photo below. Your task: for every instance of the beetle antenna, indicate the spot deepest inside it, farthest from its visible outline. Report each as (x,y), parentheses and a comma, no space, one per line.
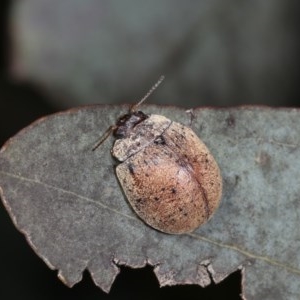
(153,88)
(110,129)
(106,134)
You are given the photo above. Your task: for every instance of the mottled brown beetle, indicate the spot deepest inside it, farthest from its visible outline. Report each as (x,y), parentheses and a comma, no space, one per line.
(168,175)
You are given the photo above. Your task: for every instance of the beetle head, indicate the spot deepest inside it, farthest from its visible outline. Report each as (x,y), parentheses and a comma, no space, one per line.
(127,122)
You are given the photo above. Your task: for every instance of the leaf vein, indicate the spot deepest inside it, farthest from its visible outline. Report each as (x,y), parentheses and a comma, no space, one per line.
(193,235)
(247,253)
(46,185)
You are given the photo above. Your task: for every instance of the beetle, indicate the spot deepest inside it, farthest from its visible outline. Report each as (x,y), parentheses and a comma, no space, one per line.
(169,176)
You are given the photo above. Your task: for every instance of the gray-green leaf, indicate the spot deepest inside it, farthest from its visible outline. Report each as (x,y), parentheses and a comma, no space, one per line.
(67,201)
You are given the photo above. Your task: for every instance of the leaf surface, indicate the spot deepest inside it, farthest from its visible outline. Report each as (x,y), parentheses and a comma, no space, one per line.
(67,201)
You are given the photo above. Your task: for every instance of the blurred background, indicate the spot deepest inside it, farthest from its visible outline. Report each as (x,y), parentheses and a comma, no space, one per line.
(57,54)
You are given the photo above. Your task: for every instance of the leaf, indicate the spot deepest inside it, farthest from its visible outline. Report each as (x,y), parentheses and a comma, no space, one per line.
(66,199)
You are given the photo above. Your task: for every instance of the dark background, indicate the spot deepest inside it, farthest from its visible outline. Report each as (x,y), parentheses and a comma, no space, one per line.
(23,274)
